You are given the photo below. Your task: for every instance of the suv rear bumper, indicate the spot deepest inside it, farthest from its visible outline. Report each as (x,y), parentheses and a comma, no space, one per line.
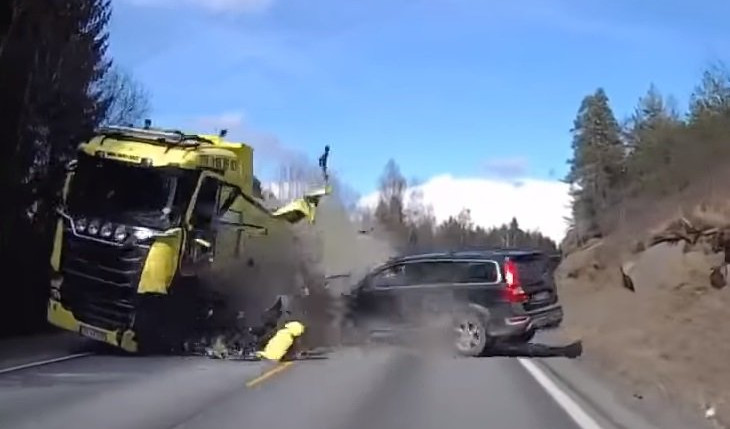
(509,322)
(550,315)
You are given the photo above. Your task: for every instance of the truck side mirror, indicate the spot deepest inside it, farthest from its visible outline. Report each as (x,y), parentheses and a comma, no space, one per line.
(203,243)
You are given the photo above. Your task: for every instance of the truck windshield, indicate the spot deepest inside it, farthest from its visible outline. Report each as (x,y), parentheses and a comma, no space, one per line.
(116,191)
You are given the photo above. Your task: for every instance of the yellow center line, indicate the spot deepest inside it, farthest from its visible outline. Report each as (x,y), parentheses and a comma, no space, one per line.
(270,373)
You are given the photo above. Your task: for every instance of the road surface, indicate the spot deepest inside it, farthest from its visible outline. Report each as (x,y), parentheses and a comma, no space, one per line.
(352,389)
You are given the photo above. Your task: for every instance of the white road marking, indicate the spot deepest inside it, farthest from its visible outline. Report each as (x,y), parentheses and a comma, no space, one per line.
(581,418)
(43,362)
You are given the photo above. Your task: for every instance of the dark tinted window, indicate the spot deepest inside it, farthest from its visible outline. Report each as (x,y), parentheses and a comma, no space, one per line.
(477,272)
(532,267)
(432,272)
(391,276)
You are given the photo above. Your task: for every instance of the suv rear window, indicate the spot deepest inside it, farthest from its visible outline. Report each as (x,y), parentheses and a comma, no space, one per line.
(531,268)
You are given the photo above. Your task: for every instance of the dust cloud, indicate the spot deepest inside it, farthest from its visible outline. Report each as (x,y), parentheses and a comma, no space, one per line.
(311,264)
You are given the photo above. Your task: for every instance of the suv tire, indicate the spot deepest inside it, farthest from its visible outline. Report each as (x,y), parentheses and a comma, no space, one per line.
(471,337)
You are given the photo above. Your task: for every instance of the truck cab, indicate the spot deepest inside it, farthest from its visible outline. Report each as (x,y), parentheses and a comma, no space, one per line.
(145,213)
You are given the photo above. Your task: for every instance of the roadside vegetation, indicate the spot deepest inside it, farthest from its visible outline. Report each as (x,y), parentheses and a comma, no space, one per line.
(619,168)
(57,82)
(410,225)
(650,236)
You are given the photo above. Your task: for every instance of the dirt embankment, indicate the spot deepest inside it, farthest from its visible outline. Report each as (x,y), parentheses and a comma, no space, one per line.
(652,307)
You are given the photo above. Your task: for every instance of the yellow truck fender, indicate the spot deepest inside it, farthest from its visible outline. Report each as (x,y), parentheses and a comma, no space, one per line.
(302,208)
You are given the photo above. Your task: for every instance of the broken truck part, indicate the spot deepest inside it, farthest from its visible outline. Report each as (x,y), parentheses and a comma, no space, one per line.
(147,218)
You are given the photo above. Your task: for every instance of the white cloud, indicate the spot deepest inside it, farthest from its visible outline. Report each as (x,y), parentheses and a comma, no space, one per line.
(216,6)
(537,204)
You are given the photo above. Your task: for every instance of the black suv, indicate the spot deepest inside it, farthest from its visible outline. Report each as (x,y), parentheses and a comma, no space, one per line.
(487,296)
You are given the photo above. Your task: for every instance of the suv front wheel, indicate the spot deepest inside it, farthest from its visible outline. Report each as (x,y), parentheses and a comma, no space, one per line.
(471,338)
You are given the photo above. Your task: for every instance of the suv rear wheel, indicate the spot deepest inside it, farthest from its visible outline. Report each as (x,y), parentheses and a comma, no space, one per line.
(471,338)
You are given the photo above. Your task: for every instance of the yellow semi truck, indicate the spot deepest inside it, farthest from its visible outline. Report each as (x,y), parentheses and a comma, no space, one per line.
(145,215)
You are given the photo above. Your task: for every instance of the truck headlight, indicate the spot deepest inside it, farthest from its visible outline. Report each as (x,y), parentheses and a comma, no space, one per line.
(94,226)
(106,230)
(120,233)
(142,234)
(80,224)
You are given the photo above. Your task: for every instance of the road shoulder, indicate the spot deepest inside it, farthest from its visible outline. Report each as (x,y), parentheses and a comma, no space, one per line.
(19,351)
(611,403)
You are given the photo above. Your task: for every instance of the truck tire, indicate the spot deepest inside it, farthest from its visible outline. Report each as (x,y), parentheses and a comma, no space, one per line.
(146,329)
(155,330)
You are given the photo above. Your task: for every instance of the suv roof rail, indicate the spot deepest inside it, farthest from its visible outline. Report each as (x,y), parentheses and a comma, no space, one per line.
(475,252)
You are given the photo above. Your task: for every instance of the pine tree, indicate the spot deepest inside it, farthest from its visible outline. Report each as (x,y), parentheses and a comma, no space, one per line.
(52,53)
(652,113)
(513,233)
(650,137)
(598,155)
(712,96)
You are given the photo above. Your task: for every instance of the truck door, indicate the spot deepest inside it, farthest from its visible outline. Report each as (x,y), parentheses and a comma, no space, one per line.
(201,237)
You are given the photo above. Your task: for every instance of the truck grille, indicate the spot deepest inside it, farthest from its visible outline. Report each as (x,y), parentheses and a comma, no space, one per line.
(100,281)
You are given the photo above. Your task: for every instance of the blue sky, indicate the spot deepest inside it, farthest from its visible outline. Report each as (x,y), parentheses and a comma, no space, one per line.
(471,88)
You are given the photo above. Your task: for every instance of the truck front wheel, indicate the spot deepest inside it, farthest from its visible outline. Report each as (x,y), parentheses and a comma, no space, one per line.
(156,332)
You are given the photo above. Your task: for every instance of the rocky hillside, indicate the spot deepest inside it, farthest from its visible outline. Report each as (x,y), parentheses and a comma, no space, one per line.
(652,307)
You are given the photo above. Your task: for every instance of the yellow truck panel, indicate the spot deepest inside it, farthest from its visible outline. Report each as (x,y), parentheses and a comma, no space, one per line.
(145,212)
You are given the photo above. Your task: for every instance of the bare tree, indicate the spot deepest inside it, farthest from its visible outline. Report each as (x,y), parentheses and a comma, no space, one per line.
(129,100)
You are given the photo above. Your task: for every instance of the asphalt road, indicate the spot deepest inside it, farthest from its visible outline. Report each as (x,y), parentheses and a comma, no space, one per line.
(352,389)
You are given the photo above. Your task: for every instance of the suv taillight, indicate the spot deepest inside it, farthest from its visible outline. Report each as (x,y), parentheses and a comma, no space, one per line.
(514,292)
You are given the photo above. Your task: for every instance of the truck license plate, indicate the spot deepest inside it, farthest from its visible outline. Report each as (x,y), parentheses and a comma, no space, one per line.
(93,333)
(541,296)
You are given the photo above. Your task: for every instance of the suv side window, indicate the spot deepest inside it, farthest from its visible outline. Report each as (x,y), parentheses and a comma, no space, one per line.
(435,272)
(394,275)
(478,272)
